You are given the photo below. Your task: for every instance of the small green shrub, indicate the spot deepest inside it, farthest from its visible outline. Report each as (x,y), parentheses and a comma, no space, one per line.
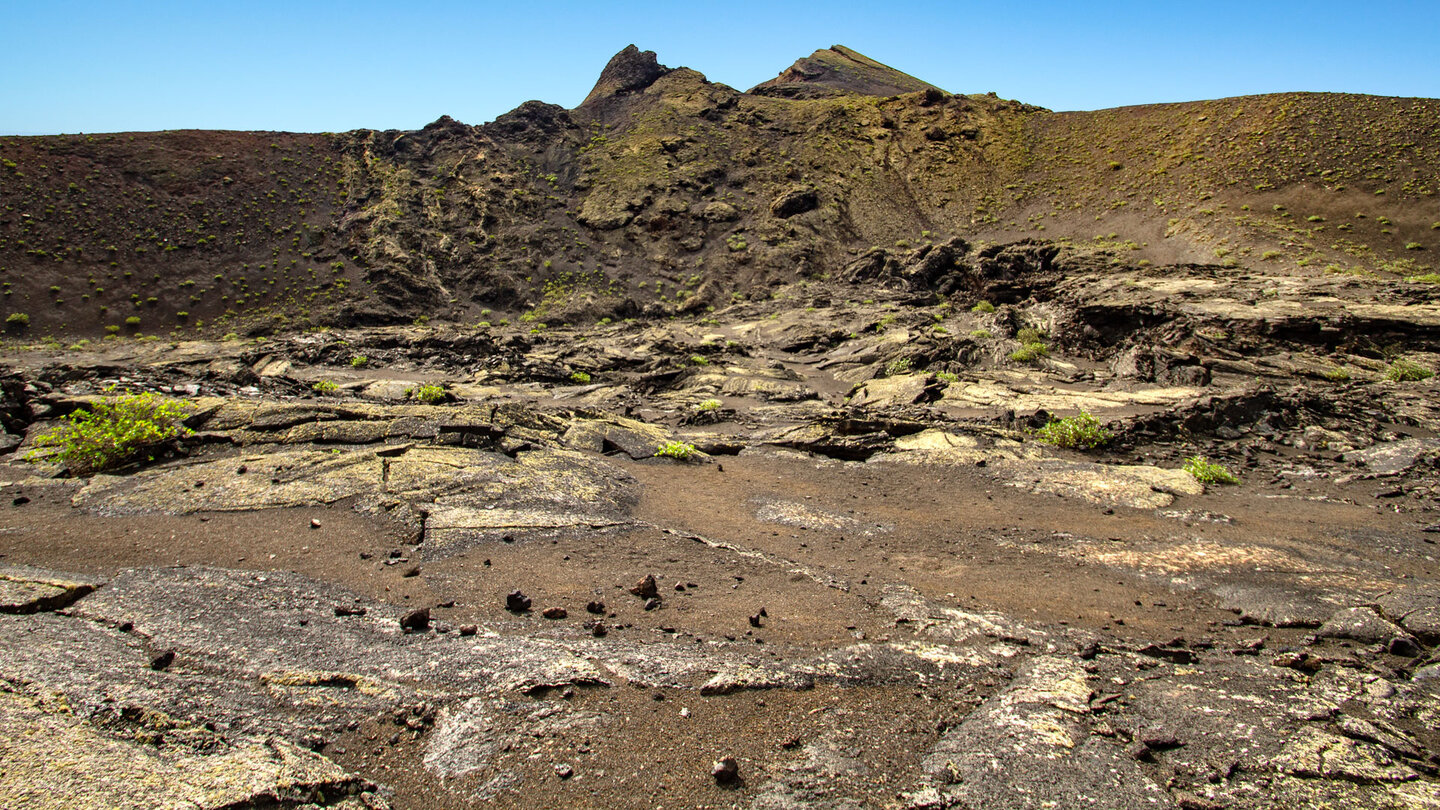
(982,334)
(1080,432)
(900,365)
(699,360)
(580,377)
(359,361)
(114,432)
(1403,370)
(680,451)
(1208,472)
(1337,374)
(429,394)
(325,387)
(947,376)
(1414,246)
(708,405)
(1425,278)
(1030,353)
(132,321)
(983,307)
(17,320)
(1030,335)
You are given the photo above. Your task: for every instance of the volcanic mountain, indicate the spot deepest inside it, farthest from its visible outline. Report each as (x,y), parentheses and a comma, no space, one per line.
(665,192)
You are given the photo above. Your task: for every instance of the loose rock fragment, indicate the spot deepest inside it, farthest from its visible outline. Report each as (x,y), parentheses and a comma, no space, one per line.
(646,587)
(726,771)
(416,620)
(517,602)
(598,608)
(163,660)
(554,613)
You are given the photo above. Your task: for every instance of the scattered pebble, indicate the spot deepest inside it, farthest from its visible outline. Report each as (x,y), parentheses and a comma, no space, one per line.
(726,771)
(517,602)
(416,620)
(314,523)
(554,613)
(564,771)
(468,629)
(646,587)
(163,660)
(598,608)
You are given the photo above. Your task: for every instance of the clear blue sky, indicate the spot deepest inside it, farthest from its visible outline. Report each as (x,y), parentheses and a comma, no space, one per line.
(117,65)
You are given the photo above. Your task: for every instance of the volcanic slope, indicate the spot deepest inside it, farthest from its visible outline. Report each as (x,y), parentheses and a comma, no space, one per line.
(664,192)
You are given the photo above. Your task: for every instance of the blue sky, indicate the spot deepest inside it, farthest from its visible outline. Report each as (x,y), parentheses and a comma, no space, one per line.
(118,65)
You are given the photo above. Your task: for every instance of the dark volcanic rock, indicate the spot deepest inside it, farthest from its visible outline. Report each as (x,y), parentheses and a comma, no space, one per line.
(795,201)
(628,71)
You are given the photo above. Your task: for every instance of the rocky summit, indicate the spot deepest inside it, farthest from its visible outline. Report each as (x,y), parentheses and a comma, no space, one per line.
(840,443)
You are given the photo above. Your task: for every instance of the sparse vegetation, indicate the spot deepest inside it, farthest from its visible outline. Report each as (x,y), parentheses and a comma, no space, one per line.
(983,307)
(325,387)
(900,365)
(1208,472)
(359,361)
(113,432)
(708,405)
(17,321)
(580,377)
(430,394)
(1402,370)
(679,451)
(1080,432)
(1032,352)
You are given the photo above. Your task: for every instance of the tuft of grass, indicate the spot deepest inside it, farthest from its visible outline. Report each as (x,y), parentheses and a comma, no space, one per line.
(708,405)
(428,394)
(359,361)
(1338,374)
(1414,246)
(325,387)
(680,451)
(981,334)
(1030,353)
(900,365)
(947,376)
(1403,370)
(1208,472)
(1080,432)
(983,307)
(17,320)
(114,432)
(580,377)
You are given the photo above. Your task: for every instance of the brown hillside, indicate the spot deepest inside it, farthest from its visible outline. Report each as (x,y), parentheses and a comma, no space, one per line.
(666,192)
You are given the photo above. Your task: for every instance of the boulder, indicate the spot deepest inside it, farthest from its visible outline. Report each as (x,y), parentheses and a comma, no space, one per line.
(795,201)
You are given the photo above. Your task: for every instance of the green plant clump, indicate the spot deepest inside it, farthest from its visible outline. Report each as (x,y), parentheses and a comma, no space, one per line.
(17,320)
(115,431)
(947,376)
(580,377)
(325,387)
(708,405)
(1403,370)
(900,365)
(1337,374)
(359,361)
(1208,472)
(983,307)
(1030,353)
(429,394)
(1080,432)
(680,451)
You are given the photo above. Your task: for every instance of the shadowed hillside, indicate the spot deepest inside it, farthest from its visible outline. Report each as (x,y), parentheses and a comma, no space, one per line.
(665,192)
